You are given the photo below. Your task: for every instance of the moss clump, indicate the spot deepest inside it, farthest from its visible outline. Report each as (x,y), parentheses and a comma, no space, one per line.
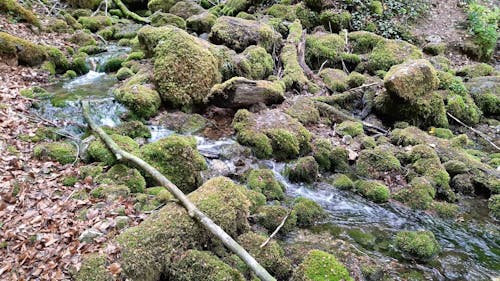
(421,245)
(304,110)
(112,65)
(445,210)
(285,145)
(319,266)
(321,46)
(13,7)
(365,239)
(123,175)
(184,69)
(336,79)
(62,152)
(334,21)
(201,23)
(270,217)
(387,53)
(70,74)
(98,151)
(463,108)
(133,129)
(79,63)
(476,70)
(82,38)
(355,79)
(494,206)
(124,73)
(90,171)
(373,162)
(454,167)
(22,51)
(95,23)
(486,94)
(372,190)
(308,212)
(343,182)
(323,153)
(435,49)
(199,265)
(263,181)
(94,268)
(157,5)
(161,19)
(363,41)
(141,99)
(272,257)
(282,11)
(35,92)
(255,63)
(350,128)
(305,169)
(418,195)
(92,49)
(70,181)
(443,133)
(177,159)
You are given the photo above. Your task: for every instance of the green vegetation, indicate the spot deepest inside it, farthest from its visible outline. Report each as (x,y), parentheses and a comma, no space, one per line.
(263,181)
(308,212)
(483,25)
(372,190)
(421,245)
(305,169)
(62,152)
(321,266)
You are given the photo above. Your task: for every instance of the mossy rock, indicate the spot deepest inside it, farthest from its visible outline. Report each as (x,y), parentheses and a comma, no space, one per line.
(21,51)
(62,152)
(350,128)
(92,4)
(92,49)
(445,210)
(272,133)
(454,167)
(270,217)
(238,34)
(255,63)
(98,151)
(14,8)
(123,175)
(94,268)
(199,265)
(177,159)
(201,23)
(387,53)
(343,182)
(184,69)
(35,92)
(142,100)
(421,245)
(183,123)
(308,212)
(303,109)
(418,195)
(112,64)
(334,20)
(305,169)
(82,38)
(149,248)
(186,9)
(79,63)
(486,93)
(95,23)
(161,5)
(133,129)
(374,162)
(272,257)
(92,170)
(363,42)
(476,70)
(322,46)
(283,12)
(124,73)
(463,108)
(494,206)
(161,19)
(365,239)
(264,181)
(321,266)
(372,190)
(336,79)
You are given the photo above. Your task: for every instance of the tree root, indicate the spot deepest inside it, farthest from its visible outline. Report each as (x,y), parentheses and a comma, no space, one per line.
(129,13)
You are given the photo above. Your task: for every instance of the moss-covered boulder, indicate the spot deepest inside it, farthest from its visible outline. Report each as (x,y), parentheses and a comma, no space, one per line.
(183,123)
(198,265)
(410,97)
(201,23)
(387,53)
(62,152)
(184,69)
(375,162)
(421,245)
(140,97)
(271,216)
(17,9)
(264,181)
(94,267)
(272,257)
(177,159)
(320,266)
(363,42)
(186,9)
(82,38)
(94,23)
(99,152)
(303,109)
(91,4)
(122,175)
(271,133)
(373,190)
(476,70)
(486,93)
(350,128)
(494,206)
(161,19)
(418,195)
(308,212)
(238,34)
(336,79)
(15,50)
(329,158)
(305,169)
(254,63)
(323,46)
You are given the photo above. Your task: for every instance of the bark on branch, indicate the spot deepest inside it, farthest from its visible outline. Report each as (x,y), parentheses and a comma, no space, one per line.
(193,211)
(130,14)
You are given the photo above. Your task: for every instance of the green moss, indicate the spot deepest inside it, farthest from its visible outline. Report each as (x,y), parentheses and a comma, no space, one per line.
(454,167)
(304,110)
(365,239)
(92,49)
(94,268)
(483,25)
(198,265)
(322,46)
(201,23)
(320,266)
(264,181)
(282,11)
(123,175)
(463,108)
(255,63)
(141,99)
(435,49)
(62,152)
(82,38)
(494,206)
(445,210)
(270,217)
(177,159)
(69,181)
(373,162)
(272,257)
(390,52)
(124,73)
(323,153)
(421,245)
(90,171)
(355,79)
(35,92)
(112,65)
(13,7)
(133,129)
(161,19)
(343,182)
(363,41)
(441,133)
(98,151)
(307,17)
(372,190)
(335,21)
(79,63)
(24,51)
(95,23)
(308,212)
(349,128)
(305,169)
(476,70)
(285,145)
(418,195)
(138,55)
(336,79)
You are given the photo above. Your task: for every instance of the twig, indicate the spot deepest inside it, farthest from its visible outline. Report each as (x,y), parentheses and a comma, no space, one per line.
(77,153)
(44,6)
(101,38)
(322,65)
(481,134)
(275,231)
(98,9)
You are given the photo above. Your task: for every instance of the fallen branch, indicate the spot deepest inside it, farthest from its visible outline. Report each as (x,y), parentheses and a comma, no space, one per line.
(301,49)
(479,133)
(275,231)
(192,210)
(130,14)
(323,107)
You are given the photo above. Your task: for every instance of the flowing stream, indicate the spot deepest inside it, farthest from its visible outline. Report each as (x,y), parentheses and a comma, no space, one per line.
(470,249)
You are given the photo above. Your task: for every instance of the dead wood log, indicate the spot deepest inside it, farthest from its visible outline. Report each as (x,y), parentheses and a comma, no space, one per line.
(129,13)
(192,210)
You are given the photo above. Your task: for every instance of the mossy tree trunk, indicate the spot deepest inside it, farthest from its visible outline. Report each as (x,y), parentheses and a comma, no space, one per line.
(193,211)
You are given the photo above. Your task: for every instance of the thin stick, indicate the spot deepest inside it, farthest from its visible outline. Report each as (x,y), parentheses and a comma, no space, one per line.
(481,134)
(77,153)
(275,231)
(192,210)
(322,65)
(301,49)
